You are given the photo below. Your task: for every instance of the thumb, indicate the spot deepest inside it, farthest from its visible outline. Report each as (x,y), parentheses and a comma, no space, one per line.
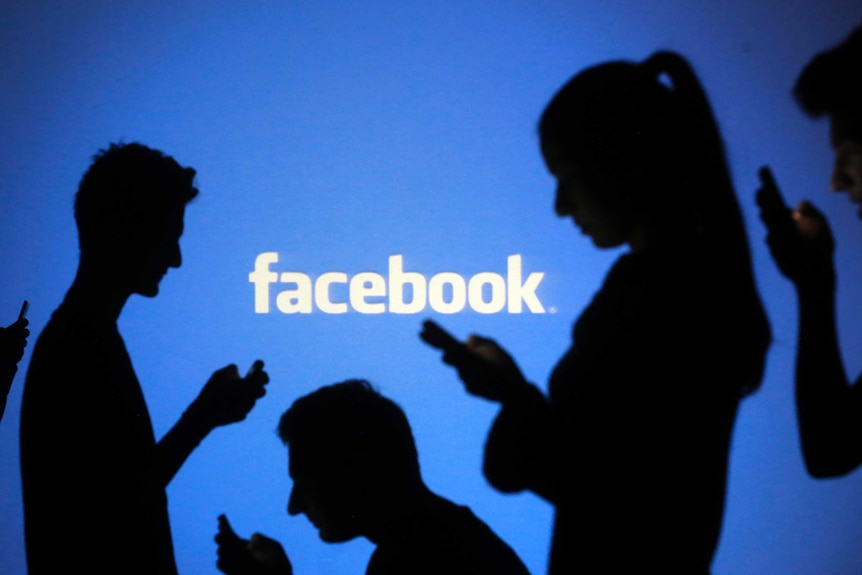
(810,221)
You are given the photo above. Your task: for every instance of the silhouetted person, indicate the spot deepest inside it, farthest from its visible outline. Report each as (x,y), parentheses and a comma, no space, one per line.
(355,473)
(829,407)
(13,339)
(93,476)
(631,443)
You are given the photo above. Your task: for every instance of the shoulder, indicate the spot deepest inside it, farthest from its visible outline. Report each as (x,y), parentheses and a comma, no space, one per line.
(447,539)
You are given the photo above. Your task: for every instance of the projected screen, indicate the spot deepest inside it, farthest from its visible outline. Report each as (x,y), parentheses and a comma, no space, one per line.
(364,166)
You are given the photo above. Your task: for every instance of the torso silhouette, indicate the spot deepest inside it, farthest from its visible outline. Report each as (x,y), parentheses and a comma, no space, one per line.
(87,447)
(632,445)
(441,537)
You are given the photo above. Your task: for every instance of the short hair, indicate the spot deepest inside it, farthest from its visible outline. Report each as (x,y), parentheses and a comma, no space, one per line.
(349,424)
(129,188)
(832,82)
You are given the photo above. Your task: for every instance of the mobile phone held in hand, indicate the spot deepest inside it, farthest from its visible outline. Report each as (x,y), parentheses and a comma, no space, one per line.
(24,307)
(255,367)
(436,336)
(769,196)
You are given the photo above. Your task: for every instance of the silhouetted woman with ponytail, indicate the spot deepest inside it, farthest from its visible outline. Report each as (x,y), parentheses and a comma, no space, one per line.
(631,442)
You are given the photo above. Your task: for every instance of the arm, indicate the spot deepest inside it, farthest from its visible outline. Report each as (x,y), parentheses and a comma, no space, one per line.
(517,452)
(13,339)
(828,407)
(226,398)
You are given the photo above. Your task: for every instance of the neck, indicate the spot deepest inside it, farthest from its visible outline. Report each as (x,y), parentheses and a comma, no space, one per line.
(398,508)
(651,233)
(96,290)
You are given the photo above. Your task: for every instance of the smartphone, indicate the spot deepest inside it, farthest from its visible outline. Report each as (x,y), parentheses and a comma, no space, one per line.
(436,336)
(255,367)
(770,197)
(24,307)
(227,532)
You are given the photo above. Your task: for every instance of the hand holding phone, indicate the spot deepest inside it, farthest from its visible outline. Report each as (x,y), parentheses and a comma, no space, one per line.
(799,240)
(773,209)
(486,369)
(437,337)
(226,535)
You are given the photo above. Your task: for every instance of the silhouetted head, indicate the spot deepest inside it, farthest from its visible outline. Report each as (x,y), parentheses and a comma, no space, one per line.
(636,146)
(351,454)
(625,144)
(831,85)
(129,209)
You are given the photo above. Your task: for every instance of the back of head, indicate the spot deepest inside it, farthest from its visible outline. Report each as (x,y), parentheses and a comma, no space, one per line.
(349,427)
(126,194)
(832,83)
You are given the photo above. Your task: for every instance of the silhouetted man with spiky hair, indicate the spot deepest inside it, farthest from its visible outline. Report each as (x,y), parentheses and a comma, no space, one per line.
(829,406)
(93,475)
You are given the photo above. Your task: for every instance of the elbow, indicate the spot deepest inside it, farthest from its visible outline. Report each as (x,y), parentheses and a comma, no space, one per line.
(829,467)
(503,478)
(829,460)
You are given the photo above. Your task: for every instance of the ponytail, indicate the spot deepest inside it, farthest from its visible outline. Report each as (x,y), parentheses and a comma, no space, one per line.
(717,207)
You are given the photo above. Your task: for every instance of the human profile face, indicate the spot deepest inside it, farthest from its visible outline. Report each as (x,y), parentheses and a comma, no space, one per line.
(847,169)
(158,252)
(324,498)
(606,227)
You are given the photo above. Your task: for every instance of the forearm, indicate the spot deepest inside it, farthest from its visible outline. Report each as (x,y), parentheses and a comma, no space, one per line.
(178,443)
(823,393)
(519,448)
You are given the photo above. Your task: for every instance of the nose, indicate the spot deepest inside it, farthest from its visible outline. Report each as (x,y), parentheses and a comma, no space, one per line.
(294,502)
(176,259)
(562,206)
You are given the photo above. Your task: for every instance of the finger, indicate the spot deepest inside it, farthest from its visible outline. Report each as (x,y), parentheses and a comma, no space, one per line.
(766,177)
(482,347)
(224,525)
(808,210)
(230,371)
(459,357)
(257,541)
(437,337)
(768,195)
(477,340)
(260,378)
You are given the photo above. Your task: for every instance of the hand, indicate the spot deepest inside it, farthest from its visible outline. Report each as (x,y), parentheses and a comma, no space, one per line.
(227,398)
(259,555)
(800,240)
(13,340)
(486,369)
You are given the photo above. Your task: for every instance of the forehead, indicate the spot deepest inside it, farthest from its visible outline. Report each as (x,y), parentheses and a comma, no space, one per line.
(299,462)
(169,224)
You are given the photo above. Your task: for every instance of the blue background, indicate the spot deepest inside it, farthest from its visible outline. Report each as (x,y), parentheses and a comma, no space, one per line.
(339,133)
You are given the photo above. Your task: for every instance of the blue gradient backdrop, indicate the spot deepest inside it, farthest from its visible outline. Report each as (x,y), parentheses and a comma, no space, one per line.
(339,133)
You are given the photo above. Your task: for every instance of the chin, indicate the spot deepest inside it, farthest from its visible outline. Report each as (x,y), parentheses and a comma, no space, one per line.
(337,536)
(605,244)
(148,291)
